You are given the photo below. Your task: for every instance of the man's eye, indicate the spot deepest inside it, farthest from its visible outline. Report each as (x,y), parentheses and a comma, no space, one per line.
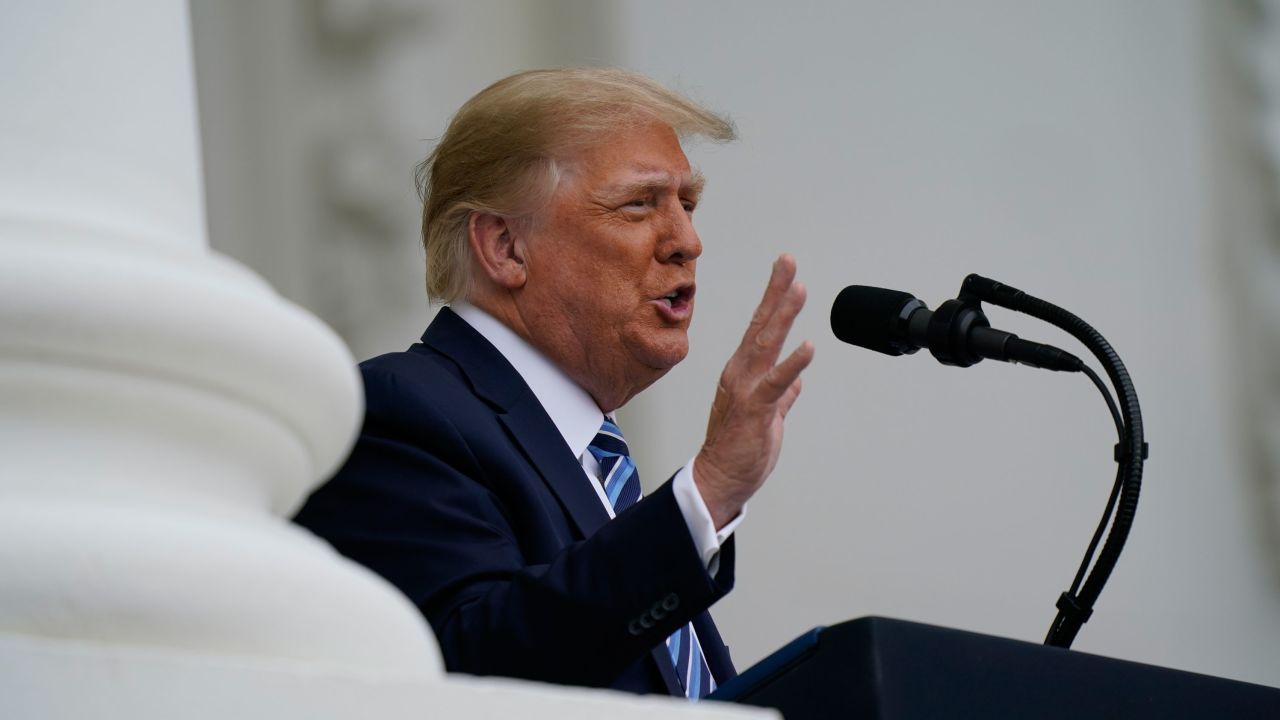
(689,205)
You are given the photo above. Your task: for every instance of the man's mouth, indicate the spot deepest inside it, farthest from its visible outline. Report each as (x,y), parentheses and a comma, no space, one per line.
(679,298)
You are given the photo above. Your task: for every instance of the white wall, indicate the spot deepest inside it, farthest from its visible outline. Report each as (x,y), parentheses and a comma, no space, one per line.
(1059,147)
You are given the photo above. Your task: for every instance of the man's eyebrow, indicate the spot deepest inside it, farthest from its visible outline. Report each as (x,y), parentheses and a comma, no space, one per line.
(697,182)
(659,181)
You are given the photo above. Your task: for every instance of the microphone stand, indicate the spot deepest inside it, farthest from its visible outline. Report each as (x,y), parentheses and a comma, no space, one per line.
(1131,450)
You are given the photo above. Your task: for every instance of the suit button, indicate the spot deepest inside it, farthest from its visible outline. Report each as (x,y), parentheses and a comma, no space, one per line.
(657,612)
(634,628)
(646,621)
(670,602)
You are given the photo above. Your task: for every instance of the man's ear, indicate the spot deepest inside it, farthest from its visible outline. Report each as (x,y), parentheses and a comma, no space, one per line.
(496,250)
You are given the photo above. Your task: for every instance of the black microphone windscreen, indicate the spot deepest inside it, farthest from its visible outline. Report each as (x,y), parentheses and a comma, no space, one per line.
(869,317)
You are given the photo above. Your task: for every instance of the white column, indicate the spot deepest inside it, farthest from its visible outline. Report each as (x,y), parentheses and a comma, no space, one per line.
(161,409)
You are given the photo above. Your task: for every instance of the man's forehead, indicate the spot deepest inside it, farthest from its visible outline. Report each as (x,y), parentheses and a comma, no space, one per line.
(649,154)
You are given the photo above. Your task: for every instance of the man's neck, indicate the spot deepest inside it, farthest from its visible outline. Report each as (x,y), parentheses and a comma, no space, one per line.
(570,355)
(573,411)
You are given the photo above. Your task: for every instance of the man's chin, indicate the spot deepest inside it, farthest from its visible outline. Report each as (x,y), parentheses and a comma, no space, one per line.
(667,352)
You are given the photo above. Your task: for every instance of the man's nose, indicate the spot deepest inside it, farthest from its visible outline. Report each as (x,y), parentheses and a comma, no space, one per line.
(681,244)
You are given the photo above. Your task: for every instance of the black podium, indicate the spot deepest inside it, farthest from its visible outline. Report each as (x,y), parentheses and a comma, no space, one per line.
(884,669)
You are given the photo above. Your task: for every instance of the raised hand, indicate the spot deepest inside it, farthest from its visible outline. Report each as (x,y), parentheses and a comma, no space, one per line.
(744,433)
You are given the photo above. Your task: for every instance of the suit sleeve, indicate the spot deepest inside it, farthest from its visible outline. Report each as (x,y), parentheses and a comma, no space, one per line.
(504,583)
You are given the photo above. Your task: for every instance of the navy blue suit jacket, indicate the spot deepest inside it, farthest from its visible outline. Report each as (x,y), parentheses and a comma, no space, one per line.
(462,493)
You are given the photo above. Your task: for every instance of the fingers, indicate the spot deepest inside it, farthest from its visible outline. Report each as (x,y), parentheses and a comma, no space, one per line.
(783,300)
(780,279)
(755,367)
(789,398)
(785,376)
(766,346)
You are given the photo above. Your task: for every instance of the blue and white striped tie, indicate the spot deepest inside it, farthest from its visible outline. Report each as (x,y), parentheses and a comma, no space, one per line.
(622,486)
(617,471)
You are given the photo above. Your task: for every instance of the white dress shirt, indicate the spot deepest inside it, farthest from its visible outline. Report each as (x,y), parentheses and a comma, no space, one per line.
(578,419)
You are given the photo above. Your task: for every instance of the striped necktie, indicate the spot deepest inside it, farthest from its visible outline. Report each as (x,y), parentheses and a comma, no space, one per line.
(622,487)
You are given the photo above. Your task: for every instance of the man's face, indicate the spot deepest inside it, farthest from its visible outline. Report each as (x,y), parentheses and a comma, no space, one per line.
(610,263)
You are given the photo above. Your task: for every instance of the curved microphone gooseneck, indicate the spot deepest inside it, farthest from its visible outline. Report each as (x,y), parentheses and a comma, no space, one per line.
(896,323)
(1076,604)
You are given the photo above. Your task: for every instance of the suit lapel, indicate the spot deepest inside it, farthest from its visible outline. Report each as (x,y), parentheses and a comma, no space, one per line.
(542,444)
(667,669)
(519,411)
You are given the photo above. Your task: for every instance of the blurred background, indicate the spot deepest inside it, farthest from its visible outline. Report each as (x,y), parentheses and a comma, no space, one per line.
(1117,159)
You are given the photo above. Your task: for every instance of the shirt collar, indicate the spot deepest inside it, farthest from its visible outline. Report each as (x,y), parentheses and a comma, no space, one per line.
(571,408)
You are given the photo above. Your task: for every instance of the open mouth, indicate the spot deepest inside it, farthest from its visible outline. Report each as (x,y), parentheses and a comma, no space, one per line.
(679,298)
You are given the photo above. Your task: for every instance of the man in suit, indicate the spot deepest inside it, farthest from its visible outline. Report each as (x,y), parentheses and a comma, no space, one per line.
(489,482)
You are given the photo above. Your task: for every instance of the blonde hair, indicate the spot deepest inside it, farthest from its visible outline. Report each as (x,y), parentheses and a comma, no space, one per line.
(504,150)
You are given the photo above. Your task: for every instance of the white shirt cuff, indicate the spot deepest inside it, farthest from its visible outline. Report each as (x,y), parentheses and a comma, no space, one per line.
(703,529)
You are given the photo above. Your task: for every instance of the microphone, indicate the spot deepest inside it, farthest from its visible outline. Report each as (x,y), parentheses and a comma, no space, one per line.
(896,323)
